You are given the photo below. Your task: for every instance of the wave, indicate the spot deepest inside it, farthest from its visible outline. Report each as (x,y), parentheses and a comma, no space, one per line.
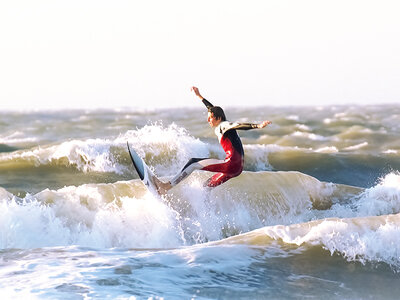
(369,234)
(256,208)
(7,148)
(364,239)
(154,142)
(17,137)
(107,214)
(363,170)
(167,149)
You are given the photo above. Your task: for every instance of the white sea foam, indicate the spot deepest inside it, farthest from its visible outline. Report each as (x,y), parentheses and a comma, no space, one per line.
(356,147)
(303,127)
(124,215)
(173,142)
(165,148)
(90,215)
(311,136)
(341,115)
(382,199)
(362,239)
(293,118)
(79,216)
(17,137)
(88,155)
(390,151)
(369,232)
(331,149)
(257,155)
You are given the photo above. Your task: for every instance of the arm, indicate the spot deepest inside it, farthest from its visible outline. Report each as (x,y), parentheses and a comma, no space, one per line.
(205,102)
(247,126)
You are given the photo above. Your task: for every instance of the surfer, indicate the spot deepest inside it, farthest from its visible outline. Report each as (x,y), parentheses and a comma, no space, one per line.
(226,169)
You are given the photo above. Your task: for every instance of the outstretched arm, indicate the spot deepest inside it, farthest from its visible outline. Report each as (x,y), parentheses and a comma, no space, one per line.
(247,126)
(240,126)
(197,93)
(263,124)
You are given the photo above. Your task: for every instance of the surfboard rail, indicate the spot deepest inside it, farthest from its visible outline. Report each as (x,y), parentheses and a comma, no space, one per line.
(144,172)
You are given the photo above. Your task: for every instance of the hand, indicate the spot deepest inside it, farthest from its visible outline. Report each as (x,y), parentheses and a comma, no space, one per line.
(196,91)
(264,124)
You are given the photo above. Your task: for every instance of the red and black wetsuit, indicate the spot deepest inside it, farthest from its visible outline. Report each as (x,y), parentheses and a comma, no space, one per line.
(226,169)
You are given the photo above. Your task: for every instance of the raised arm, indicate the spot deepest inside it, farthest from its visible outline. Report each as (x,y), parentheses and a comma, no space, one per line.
(239,126)
(205,102)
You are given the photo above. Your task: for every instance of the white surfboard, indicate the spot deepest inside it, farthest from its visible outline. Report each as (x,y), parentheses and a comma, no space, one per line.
(145,174)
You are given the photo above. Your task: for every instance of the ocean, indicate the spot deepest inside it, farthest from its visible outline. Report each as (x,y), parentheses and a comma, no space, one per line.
(314,215)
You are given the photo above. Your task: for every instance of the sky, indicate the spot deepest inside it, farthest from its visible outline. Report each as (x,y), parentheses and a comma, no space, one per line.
(109,54)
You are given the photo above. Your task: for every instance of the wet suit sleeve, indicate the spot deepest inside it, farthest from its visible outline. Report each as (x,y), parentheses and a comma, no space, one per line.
(229,126)
(207,103)
(244,126)
(226,126)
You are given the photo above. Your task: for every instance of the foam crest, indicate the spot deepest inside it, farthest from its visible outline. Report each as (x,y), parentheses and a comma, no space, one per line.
(382,199)
(390,151)
(124,214)
(257,156)
(253,200)
(330,149)
(311,136)
(88,155)
(363,239)
(5,195)
(356,147)
(166,149)
(16,138)
(357,239)
(82,216)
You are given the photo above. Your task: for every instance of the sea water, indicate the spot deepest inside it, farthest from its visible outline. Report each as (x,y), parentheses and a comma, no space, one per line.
(315,214)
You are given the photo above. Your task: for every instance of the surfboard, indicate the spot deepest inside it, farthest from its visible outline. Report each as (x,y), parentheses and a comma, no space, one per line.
(145,174)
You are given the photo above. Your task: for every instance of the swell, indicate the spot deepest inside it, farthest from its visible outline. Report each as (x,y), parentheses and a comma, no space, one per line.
(7,148)
(289,206)
(356,169)
(106,215)
(363,239)
(154,143)
(167,149)
(108,160)
(363,226)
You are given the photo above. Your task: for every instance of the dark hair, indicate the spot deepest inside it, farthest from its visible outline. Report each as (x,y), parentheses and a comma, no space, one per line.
(218,113)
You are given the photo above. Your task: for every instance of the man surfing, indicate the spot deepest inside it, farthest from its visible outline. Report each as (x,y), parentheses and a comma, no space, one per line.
(225,169)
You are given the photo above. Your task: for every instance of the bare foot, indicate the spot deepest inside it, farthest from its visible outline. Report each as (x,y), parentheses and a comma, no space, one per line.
(162,187)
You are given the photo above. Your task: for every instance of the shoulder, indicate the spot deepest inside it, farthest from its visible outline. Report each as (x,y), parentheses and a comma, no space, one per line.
(224,126)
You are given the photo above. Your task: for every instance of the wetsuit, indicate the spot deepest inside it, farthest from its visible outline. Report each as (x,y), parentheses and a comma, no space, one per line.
(226,169)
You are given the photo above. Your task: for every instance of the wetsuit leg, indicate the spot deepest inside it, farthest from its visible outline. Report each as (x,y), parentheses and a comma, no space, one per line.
(231,167)
(198,164)
(218,179)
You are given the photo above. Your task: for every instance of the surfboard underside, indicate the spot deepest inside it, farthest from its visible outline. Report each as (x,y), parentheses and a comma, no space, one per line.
(144,172)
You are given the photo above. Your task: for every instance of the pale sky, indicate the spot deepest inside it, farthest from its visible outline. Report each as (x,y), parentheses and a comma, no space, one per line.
(96,54)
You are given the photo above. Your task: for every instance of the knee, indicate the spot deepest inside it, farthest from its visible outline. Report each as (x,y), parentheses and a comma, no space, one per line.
(191,162)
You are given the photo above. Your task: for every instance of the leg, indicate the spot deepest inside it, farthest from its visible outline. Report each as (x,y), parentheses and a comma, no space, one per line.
(218,179)
(195,164)
(191,165)
(162,187)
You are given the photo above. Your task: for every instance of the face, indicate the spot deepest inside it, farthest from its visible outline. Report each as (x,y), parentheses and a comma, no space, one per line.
(212,120)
